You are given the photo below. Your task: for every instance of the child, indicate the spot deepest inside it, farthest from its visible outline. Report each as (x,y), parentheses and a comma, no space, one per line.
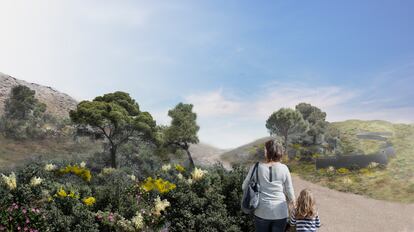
(305,217)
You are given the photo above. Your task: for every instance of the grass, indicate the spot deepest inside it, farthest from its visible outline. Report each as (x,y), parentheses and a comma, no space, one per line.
(393,183)
(14,153)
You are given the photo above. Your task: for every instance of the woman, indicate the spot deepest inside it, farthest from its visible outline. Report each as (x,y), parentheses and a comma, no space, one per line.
(275,187)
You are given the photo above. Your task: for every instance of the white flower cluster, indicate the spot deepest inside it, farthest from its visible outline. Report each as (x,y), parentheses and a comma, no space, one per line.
(82,164)
(330,169)
(50,167)
(132,177)
(166,167)
(160,205)
(373,165)
(107,171)
(180,176)
(138,221)
(10,180)
(35,181)
(197,173)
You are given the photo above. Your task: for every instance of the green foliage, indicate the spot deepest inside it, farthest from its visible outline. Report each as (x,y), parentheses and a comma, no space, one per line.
(116,117)
(183,129)
(286,122)
(22,104)
(343,171)
(23,115)
(316,119)
(209,204)
(17,217)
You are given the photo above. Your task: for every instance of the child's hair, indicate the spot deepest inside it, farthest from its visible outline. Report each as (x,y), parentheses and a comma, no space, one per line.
(305,205)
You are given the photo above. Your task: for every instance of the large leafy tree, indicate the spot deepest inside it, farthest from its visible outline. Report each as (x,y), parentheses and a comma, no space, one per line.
(23,114)
(316,119)
(22,104)
(116,117)
(286,122)
(183,129)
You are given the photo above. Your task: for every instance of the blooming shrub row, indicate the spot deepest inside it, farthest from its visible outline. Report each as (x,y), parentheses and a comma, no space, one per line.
(70,197)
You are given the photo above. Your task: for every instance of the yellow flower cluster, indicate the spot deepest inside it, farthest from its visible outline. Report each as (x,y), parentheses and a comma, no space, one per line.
(10,180)
(89,201)
(62,194)
(343,171)
(162,186)
(82,172)
(179,168)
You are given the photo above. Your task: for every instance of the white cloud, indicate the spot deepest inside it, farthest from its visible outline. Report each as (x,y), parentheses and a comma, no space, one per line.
(238,121)
(213,103)
(279,96)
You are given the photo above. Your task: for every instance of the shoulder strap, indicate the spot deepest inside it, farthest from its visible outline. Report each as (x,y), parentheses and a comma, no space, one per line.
(257,172)
(255,169)
(270,174)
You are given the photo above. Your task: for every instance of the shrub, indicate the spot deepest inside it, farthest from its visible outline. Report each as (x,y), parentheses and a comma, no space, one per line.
(343,171)
(18,217)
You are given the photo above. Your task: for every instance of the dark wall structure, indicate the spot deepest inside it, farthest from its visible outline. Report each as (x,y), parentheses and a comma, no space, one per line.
(351,161)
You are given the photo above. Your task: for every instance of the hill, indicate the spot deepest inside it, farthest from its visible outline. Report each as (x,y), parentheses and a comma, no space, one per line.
(395,182)
(243,153)
(58,104)
(205,154)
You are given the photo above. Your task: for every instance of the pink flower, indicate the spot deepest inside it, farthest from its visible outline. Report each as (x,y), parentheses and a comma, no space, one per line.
(24,210)
(25,229)
(27,221)
(111,217)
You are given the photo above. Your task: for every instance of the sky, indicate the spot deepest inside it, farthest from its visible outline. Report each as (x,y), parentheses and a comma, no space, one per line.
(235,61)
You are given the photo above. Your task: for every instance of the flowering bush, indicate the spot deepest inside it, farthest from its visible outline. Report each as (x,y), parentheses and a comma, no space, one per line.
(10,181)
(123,199)
(343,171)
(21,218)
(82,172)
(162,186)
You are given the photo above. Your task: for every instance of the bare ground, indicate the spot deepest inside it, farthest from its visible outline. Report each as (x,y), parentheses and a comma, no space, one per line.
(341,211)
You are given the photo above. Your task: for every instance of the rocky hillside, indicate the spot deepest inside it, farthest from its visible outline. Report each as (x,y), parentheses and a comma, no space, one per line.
(58,104)
(204,154)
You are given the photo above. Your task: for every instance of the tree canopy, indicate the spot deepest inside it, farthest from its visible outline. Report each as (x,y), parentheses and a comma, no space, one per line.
(286,122)
(316,119)
(116,117)
(23,104)
(23,114)
(183,129)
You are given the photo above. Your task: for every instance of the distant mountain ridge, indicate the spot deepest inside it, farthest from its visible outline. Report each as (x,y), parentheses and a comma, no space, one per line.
(58,104)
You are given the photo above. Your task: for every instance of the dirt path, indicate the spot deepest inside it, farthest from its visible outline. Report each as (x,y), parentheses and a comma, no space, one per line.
(350,212)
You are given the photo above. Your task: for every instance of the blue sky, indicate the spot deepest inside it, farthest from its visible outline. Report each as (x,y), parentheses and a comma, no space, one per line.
(236,61)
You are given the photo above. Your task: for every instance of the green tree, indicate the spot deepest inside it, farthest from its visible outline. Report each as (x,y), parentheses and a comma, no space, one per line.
(116,117)
(23,113)
(183,129)
(286,122)
(316,119)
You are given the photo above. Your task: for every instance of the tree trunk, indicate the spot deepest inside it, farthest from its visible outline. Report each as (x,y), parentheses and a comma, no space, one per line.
(113,156)
(286,144)
(314,139)
(192,166)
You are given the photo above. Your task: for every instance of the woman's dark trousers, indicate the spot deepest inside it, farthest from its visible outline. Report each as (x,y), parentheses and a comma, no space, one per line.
(265,225)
